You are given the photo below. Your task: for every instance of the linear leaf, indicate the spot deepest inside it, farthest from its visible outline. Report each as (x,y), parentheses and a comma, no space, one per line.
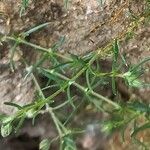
(19,124)
(6,129)
(66,3)
(68,144)
(69,97)
(88,80)
(114,65)
(115,53)
(140,107)
(141,128)
(13,105)
(23,7)
(113,86)
(59,43)
(139,64)
(44,144)
(27,33)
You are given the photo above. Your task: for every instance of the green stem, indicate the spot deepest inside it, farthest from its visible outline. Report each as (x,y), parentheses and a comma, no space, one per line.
(50,110)
(55,122)
(85,89)
(47,50)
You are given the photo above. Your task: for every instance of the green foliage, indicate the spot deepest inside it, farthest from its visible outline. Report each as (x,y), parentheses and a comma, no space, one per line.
(23,6)
(132,76)
(27,33)
(101,2)
(115,65)
(66,3)
(85,75)
(6,129)
(68,144)
(62,83)
(44,144)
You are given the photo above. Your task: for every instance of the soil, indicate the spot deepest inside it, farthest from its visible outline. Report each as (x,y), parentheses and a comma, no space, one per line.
(86,26)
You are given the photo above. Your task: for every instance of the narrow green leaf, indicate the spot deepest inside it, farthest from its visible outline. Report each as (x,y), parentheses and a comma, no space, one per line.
(88,57)
(6,129)
(20,124)
(25,3)
(12,53)
(70,99)
(50,74)
(123,57)
(114,65)
(68,144)
(44,144)
(23,7)
(55,62)
(32,68)
(132,76)
(7,119)
(139,106)
(88,80)
(115,52)
(13,105)
(141,128)
(77,61)
(62,65)
(66,3)
(33,120)
(58,44)
(139,64)
(27,33)
(73,113)
(113,86)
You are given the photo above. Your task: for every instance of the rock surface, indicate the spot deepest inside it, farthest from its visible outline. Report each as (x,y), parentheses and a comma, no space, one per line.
(86,25)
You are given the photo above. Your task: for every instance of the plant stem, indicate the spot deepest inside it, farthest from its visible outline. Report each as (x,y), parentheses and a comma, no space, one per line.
(47,50)
(85,89)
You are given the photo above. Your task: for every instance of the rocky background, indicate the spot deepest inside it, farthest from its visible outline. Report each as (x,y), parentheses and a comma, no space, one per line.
(86,26)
